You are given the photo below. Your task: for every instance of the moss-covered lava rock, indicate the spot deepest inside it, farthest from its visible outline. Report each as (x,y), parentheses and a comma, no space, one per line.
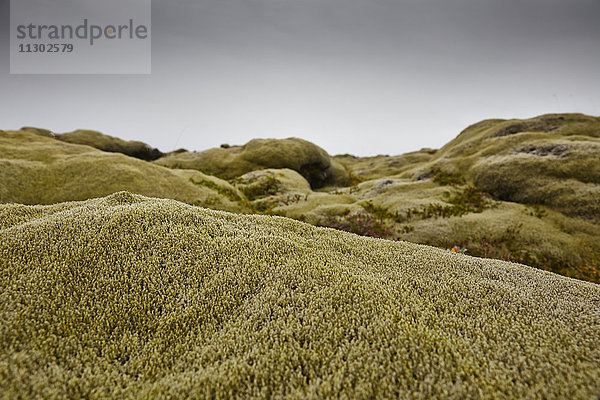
(304,157)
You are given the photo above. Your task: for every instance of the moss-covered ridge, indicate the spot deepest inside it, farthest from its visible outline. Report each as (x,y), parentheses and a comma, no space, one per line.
(133,297)
(525,190)
(550,160)
(100,141)
(38,169)
(542,174)
(229,162)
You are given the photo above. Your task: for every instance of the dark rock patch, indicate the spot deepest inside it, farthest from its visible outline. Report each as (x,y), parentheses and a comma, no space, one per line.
(550,149)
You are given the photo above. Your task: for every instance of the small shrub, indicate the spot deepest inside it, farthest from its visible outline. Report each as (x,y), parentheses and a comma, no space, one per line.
(230,194)
(407,229)
(254,188)
(469,200)
(360,223)
(537,211)
(445,179)
(355,179)
(382,212)
(294,199)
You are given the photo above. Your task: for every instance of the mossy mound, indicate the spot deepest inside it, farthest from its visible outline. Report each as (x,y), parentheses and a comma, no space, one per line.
(36,169)
(131,297)
(230,162)
(270,182)
(39,131)
(111,144)
(549,160)
(562,174)
(268,189)
(540,176)
(367,168)
(520,190)
(460,217)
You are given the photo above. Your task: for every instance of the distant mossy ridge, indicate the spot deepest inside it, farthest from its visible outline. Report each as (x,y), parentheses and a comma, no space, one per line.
(541,174)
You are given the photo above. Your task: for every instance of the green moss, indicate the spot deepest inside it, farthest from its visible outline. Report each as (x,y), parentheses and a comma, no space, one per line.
(382,213)
(367,168)
(549,181)
(467,200)
(549,160)
(537,211)
(378,221)
(227,192)
(131,297)
(544,170)
(304,157)
(111,144)
(257,188)
(364,224)
(509,247)
(444,178)
(35,169)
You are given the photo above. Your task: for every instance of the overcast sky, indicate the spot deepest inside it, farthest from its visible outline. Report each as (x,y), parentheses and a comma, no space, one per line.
(354,76)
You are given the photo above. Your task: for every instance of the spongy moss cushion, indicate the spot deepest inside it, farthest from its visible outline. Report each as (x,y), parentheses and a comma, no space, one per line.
(133,297)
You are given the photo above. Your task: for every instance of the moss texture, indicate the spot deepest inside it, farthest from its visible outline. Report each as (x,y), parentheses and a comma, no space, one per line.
(549,160)
(368,168)
(520,190)
(111,144)
(545,166)
(35,169)
(132,297)
(304,157)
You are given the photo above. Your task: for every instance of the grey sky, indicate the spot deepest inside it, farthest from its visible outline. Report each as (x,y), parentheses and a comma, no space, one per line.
(354,76)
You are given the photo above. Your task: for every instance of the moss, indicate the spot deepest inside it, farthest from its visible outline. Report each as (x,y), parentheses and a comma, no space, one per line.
(368,168)
(259,188)
(513,232)
(537,211)
(467,200)
(364,224)
(556,183)
(444,178)
(304,157)
(111,144)
(39,131)
(550,160)
(224,191)
(131,297)
(355,179)
(508,247)
(542,172)
(40,170)
(382,213)
(378,221)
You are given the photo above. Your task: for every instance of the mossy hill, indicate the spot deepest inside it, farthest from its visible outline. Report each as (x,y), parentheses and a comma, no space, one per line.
(133,297)
(526,191)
